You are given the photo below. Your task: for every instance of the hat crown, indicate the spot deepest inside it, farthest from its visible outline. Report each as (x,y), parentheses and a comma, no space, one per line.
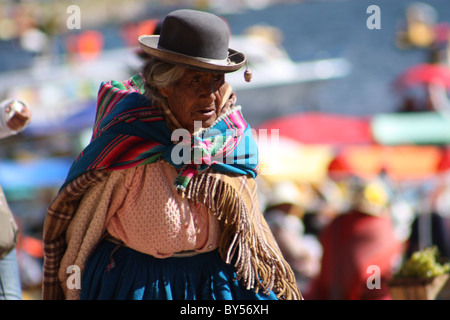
(196,34)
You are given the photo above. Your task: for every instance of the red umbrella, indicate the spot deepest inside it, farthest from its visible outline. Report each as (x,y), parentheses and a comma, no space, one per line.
(444,163)
(426,73)
(322,128)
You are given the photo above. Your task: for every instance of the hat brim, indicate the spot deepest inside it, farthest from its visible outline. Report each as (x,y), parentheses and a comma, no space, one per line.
(149,43)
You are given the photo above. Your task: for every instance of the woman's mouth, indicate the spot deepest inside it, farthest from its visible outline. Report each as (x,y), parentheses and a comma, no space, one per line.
(206,112)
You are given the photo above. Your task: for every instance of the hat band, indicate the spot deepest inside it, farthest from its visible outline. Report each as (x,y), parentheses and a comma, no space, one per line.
(220,62)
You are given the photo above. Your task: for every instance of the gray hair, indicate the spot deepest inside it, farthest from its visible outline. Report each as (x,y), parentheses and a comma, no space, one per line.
(160,74)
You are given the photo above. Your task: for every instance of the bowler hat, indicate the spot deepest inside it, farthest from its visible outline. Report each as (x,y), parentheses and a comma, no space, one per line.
(196,39)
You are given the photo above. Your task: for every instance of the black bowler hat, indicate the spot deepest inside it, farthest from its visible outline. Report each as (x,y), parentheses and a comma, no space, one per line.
(194,38)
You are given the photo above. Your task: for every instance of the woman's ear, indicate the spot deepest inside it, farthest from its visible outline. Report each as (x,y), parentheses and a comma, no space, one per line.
(164,91)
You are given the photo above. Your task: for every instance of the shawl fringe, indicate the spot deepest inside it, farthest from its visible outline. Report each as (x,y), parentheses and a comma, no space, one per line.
(258,261)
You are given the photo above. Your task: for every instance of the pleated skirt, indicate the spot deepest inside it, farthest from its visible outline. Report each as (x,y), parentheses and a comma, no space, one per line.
(121,273)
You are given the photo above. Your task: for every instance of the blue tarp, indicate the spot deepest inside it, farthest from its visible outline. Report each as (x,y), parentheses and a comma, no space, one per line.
(76,123)
(33,174)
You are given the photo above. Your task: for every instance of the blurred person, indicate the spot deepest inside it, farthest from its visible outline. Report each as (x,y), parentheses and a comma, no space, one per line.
(418,30)
(439,51)
(284,213)
(14,116)
(141,223)
(430,97)
(432,228)
(422,30)
(361,237)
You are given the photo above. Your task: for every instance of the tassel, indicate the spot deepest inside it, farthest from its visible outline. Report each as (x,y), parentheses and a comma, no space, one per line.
(247,73)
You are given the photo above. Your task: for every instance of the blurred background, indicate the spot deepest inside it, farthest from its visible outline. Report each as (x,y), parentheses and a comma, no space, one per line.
(335,106)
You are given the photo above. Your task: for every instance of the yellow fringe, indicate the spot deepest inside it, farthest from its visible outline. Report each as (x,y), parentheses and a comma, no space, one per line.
(259,265)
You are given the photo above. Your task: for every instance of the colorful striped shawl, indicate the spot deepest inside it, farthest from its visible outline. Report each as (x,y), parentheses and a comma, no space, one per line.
(129,131)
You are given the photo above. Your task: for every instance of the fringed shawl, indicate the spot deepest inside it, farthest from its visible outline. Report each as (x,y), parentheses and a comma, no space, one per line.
(229,190)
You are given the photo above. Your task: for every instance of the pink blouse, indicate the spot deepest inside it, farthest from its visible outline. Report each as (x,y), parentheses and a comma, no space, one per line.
(154,219)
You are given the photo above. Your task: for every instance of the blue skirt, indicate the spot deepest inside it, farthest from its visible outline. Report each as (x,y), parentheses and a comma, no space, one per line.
(138,276)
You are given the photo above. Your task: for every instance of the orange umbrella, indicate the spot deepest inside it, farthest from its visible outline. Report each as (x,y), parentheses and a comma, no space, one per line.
(399,162)
(286,159)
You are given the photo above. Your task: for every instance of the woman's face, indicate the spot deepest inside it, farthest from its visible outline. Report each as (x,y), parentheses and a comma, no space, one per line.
(197,96)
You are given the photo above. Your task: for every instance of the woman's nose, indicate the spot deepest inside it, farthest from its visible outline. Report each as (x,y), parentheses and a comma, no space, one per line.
(212,87)
(209,88)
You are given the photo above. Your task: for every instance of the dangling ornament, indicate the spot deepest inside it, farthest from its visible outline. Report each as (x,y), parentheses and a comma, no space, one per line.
(247,73)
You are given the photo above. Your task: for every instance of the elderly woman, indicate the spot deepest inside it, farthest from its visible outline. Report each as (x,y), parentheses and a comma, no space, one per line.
(162,203)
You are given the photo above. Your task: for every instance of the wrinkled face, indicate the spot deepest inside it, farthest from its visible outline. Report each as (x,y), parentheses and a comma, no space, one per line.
(197,96)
